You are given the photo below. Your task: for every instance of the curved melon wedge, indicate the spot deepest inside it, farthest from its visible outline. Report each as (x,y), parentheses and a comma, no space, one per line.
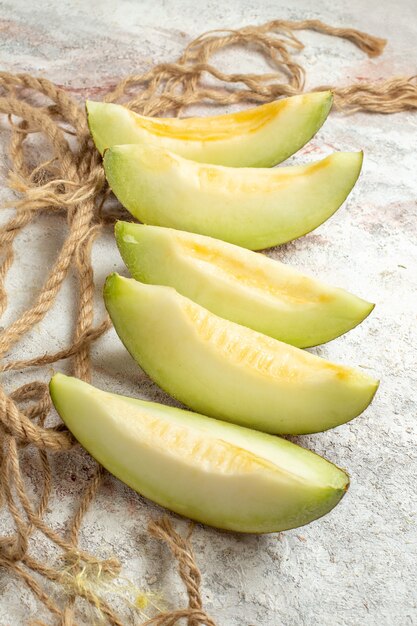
(258,137)
(240,285)
(216,473)
(253,208)
(228,371)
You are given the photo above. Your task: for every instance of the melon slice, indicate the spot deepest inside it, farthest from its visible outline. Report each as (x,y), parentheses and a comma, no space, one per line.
(216,473)
(254,208)
(258,137)
(240,285)
(228,371)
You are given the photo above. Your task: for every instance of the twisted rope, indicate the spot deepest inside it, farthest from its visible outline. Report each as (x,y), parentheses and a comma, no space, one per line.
(72,184)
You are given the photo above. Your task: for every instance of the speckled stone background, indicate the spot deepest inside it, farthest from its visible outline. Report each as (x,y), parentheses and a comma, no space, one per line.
(356,567)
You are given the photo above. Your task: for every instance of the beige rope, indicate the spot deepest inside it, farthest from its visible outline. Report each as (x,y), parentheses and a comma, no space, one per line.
(72,183)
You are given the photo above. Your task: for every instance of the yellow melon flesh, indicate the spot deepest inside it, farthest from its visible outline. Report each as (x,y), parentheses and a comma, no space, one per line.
(258,137)
(228,371)
(251,207)
(213,472)
(240,285)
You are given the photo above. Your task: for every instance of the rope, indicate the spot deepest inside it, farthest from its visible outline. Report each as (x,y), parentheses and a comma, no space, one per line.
(72,183)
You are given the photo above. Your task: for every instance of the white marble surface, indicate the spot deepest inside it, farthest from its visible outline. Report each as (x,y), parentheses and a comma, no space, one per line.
(357,566)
